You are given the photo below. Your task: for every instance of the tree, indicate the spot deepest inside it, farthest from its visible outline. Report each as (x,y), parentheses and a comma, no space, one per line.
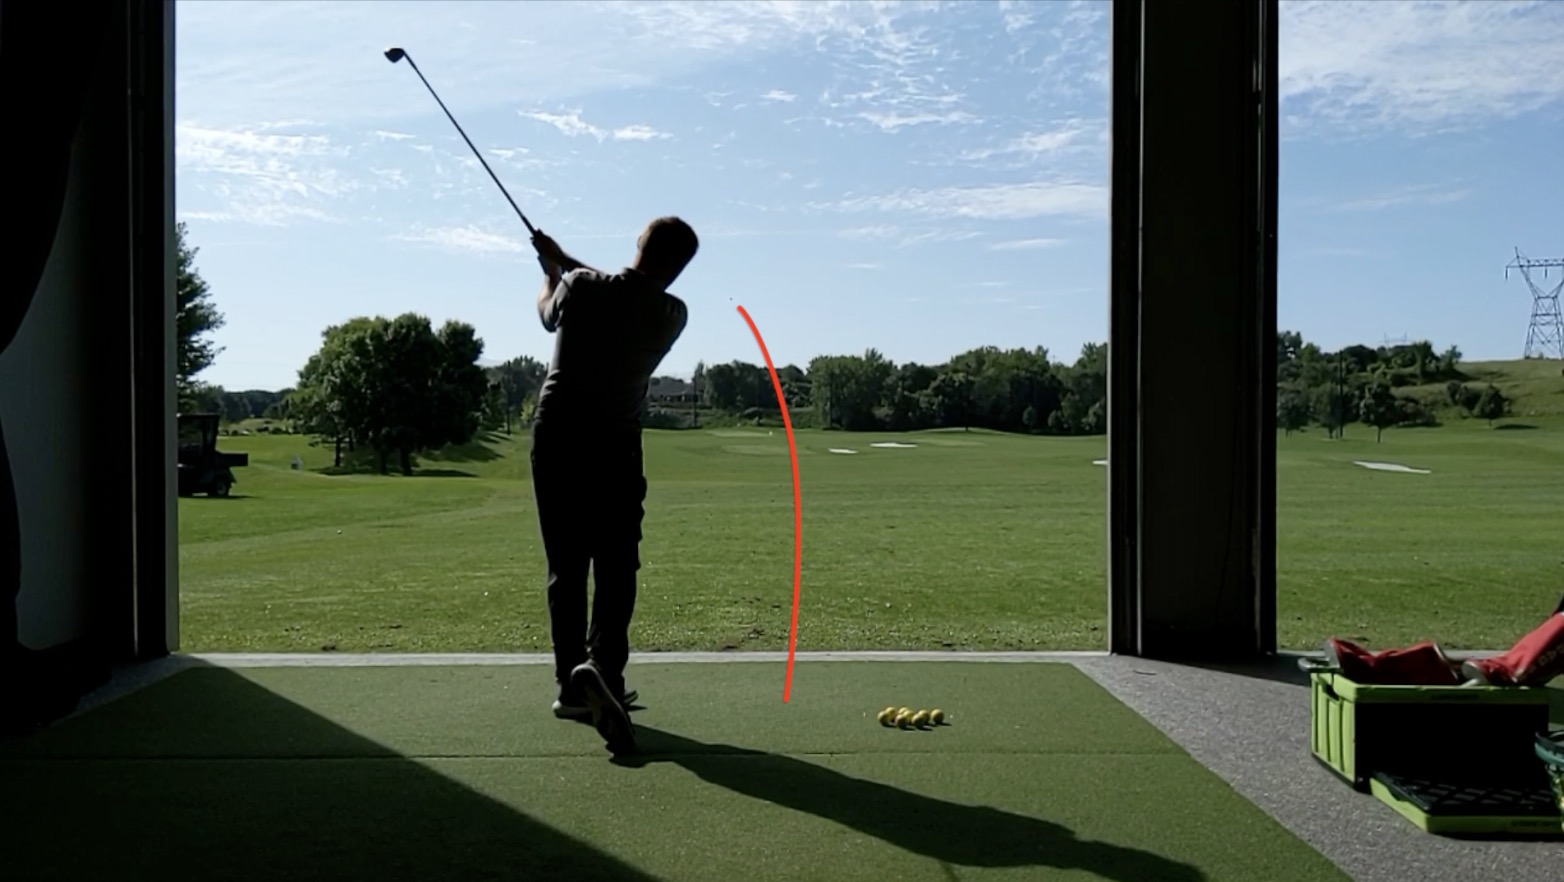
(1424,361)
(1491,405)
(1293,409)
(1450,360)
(1379,407)
(195,317)
(395,386)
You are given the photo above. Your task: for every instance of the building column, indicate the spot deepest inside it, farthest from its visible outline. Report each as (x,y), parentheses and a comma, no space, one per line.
(1192,386)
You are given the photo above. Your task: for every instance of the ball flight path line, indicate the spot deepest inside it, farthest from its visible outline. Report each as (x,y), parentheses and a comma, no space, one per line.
(798,504)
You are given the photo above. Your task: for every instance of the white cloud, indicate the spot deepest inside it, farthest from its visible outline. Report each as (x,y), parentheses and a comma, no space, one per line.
(466,239)
(992,202)
(263,179)
(863,266)
(1425,194)
(572,125)
(1358,68)
(1350,67)
(779,95)
(391,136)
(1017,15)
(879,232)
(905,236)
(1025,244)
(638,133)
(1071,136)
(392,177)
(891,122)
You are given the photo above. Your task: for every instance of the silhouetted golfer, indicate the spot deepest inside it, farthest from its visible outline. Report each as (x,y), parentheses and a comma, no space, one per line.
(611,331)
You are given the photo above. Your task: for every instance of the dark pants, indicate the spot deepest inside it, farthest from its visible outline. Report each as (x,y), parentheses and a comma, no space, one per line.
(590,493)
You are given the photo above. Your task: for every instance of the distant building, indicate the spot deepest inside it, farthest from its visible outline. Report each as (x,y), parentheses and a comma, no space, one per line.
(671,390)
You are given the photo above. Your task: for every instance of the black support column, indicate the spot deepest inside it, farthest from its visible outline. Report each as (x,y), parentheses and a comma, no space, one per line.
(1192,329)
(151,151)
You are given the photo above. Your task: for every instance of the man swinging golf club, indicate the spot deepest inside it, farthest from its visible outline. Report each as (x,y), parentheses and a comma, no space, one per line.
(611,331)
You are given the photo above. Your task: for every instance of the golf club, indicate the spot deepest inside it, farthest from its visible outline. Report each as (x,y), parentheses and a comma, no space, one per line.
(394,55)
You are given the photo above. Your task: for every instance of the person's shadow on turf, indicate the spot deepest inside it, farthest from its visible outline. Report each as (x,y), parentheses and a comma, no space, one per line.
(963,835)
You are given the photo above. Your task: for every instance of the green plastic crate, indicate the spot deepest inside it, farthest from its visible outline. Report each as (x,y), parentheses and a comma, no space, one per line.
(1484,734)
(1520,809)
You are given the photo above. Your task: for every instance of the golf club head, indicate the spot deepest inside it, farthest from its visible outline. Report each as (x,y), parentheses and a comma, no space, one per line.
(394,55)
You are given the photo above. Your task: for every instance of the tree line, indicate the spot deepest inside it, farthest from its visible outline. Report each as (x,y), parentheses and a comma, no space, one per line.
(1381,387)
(399,386)
(1007,390)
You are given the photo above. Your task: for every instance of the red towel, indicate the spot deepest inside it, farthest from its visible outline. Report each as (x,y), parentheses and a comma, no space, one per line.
(1535,660)
(1424,664)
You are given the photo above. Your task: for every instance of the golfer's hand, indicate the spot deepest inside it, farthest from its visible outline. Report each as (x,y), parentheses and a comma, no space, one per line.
(550,269)
(548,249)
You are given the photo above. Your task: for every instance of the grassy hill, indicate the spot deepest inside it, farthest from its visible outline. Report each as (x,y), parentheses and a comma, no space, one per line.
(1536,384)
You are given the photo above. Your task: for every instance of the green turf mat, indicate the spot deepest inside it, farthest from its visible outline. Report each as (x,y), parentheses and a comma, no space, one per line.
(446,773)
(504,711)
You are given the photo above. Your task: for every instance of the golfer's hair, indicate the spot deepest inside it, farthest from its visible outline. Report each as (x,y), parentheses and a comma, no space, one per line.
(669,242)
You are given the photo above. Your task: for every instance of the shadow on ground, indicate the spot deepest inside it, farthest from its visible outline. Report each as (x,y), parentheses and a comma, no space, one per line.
(348,809)
(1513,427)
(476,450)
(1277,669)
(951,833)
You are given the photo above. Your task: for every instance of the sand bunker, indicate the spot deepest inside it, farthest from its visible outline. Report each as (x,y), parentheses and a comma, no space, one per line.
(1392,467)
(842,450)
(1099,462)
(892,444)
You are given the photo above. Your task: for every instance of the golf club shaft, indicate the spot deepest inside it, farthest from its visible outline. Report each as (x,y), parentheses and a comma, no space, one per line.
(475,151)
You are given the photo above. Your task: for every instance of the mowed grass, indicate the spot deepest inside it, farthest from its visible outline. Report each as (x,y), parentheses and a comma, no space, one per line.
(969,540)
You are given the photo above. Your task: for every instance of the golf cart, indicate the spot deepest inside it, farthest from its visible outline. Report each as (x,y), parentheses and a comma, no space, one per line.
(202,469)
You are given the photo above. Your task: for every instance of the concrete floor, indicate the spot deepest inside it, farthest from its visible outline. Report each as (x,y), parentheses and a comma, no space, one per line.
(1248,724)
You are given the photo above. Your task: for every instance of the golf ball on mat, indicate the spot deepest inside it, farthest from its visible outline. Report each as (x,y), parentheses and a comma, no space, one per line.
(903,721)
(937,716)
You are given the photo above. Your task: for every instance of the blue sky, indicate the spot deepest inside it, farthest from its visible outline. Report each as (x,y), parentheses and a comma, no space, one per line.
(920,178)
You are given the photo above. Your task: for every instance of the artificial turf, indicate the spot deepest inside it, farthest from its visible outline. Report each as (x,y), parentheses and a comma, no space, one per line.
(461,772)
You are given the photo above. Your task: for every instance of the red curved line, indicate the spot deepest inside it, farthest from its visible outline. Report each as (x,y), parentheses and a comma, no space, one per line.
(798,505)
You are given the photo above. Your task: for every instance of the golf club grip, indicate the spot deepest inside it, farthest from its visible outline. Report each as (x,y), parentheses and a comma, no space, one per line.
(475,152)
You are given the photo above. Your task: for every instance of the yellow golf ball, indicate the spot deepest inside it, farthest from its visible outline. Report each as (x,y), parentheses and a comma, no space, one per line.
(903,721)
(920,719)
(905,710)
(937,716)
(887,716)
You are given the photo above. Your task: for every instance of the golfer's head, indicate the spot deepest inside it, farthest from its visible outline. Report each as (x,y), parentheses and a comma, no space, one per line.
(666,247)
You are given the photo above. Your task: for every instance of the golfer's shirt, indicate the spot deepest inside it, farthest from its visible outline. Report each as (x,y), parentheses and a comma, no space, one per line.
(611,331)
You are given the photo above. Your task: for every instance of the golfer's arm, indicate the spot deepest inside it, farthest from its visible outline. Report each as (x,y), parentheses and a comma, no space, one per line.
(546,299)
(572,264)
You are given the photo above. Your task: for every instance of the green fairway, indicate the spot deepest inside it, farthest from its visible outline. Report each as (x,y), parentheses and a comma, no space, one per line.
(967,540)
(462,773)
